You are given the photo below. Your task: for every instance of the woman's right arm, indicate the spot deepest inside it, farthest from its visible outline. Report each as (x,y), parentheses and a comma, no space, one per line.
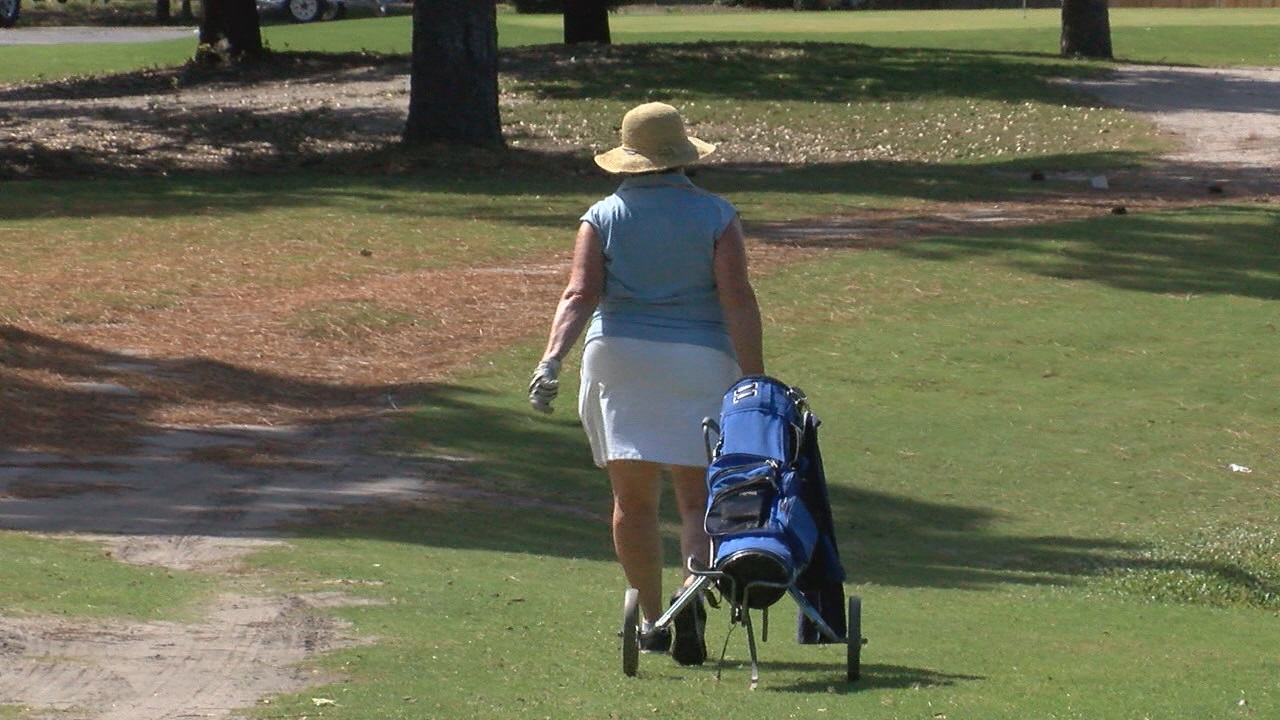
(738,299)
(580,296)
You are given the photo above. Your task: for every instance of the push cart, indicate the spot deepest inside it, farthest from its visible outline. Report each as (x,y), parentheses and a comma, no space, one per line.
(769,520)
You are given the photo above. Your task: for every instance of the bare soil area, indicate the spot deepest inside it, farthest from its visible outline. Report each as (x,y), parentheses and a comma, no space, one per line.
(1223,117)
(219,475)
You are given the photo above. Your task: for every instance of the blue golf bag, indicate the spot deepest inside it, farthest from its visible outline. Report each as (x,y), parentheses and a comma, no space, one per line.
(768,512)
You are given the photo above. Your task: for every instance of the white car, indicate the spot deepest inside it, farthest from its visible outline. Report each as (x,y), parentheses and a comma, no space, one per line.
(305,11)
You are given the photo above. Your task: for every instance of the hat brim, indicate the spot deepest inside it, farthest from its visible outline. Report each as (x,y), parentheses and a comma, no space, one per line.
(621,160)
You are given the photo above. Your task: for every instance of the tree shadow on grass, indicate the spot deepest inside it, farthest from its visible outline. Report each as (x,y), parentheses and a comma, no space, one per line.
(1226,250)
(788,72)
(316,139)
(486,475)
(81,426)
(908,542)
(111,397)
(875,676)
(514,174)
(528,486)
(1211,90)
(298,155)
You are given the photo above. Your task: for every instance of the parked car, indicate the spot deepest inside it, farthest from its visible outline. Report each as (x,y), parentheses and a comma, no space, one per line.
(305,11)
(9,12)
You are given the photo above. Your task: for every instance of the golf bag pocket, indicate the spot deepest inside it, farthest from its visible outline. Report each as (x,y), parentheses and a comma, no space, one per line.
(761,532)
(742,498)
(793,522)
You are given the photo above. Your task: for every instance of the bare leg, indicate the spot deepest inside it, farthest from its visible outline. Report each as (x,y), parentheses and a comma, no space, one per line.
(688,646)
(691,499)
(637,487)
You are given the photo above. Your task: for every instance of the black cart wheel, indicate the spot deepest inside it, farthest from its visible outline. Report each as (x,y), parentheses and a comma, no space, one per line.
(631,632)
(855,638)
(9,10)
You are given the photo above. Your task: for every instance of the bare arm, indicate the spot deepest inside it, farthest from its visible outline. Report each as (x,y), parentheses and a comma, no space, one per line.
(580,296)
(738,299)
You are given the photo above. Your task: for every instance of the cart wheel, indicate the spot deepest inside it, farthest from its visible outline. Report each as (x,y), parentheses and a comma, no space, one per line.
(631,632)
(854,638)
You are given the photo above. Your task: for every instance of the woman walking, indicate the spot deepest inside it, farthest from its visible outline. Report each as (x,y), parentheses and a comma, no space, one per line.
(659,284)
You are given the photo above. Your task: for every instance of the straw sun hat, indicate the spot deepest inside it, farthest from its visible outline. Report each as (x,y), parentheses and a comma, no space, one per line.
(653,138)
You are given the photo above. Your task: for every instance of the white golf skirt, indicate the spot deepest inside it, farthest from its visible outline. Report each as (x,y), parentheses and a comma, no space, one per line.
(645,400)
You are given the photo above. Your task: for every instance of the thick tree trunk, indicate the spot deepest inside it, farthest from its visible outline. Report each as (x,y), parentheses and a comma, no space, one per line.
(233,23)
(586,21)
(1086,29)
(164,11)
(453,86)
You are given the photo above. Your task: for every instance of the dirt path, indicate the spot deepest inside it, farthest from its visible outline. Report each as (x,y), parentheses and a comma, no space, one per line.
(1223,117)
(245,648)
(197,497)
(76,35)
(191,500)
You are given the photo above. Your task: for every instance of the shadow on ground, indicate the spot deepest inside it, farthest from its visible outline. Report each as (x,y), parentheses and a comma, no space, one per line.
(1230,250)
(875,676)
(281,137)
(103,466)
(113,397)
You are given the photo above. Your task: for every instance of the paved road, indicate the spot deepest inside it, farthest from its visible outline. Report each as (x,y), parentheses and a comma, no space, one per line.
(89,35)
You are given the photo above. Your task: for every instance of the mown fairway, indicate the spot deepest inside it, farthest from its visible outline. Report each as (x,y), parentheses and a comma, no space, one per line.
(1196,37)
(1029,430)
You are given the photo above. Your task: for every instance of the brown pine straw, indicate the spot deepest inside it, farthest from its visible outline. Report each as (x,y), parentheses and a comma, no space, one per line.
(334,350)
(243,357)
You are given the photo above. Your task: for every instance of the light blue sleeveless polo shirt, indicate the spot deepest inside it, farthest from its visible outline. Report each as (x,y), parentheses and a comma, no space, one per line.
(659,235)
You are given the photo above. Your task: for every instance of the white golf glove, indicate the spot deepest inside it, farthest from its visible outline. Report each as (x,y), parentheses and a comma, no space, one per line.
(545,385)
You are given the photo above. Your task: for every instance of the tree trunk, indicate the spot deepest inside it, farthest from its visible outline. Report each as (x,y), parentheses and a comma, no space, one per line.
(1086,29)
(164,11)
(586,21)
(453,86)
(229,28)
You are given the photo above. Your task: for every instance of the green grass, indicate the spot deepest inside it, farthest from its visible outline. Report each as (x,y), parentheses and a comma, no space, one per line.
(1196,37)
(1008,399)
(1027,432)
(73,577)
(1027,436)
(530,630)
(41,63)
(1122,372)
(1139,35)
